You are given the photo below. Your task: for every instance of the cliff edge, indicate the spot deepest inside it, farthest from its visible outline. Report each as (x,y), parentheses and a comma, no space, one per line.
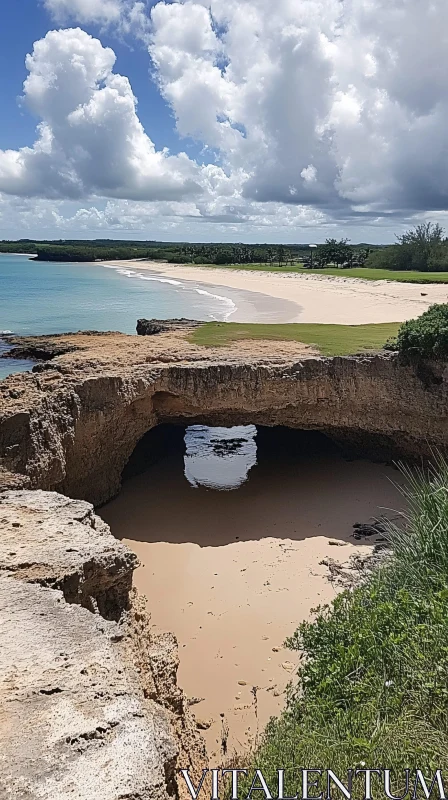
(89,705)
(72,424)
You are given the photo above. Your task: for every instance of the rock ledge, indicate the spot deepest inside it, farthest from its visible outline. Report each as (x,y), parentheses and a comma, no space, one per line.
(89,706)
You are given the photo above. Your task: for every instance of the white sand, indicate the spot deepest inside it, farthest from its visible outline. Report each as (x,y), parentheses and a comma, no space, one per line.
(322,299)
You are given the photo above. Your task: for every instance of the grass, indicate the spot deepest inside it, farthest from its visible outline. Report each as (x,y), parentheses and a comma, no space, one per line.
(330,340)
(372,687)
(355,272)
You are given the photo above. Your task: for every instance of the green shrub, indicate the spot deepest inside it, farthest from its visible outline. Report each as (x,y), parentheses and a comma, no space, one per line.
(201,260)
(373,682)
(395,257)
(426,336)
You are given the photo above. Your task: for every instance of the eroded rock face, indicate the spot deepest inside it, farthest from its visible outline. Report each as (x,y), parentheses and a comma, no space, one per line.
(150,327)
(83,712)
(62,544)
(73,428)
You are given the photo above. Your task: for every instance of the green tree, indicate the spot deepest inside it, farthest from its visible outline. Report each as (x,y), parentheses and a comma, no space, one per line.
(334,252)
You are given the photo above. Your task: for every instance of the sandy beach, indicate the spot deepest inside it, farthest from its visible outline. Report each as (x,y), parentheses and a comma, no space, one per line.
(316,298)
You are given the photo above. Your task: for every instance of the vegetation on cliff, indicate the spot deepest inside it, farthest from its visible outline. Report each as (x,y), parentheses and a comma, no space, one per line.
(426,336)
(372,687)
(330,340)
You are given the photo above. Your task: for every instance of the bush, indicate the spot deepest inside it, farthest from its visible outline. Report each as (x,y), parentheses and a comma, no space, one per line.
(178,259)
(396,257)
(373,680)
(426,336)
(438,260)
(223,258)
(201,260)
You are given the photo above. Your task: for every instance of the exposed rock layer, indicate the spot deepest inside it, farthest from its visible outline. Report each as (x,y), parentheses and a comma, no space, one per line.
(89,707)
(73,427)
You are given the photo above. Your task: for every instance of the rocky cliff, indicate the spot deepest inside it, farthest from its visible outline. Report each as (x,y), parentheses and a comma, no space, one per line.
(72,425)
(89,705)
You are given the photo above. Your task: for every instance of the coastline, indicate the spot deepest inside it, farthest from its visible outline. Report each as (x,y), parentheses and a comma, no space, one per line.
(317,298)
(244,305)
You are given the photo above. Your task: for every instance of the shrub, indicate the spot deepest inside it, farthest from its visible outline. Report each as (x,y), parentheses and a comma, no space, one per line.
(426,336)
(201,260)
(372,686)
(223,258)
(395,257)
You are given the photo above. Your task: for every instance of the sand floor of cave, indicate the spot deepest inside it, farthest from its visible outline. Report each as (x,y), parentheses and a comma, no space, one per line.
(232,574)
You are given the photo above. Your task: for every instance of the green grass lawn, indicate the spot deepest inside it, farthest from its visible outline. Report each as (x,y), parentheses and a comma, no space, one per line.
(330,340)
(360,272)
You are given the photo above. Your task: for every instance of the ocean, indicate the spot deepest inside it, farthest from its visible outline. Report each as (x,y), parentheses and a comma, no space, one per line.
(37,297)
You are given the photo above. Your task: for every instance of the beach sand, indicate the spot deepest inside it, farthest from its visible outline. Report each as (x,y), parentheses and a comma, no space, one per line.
(233,573)
(317,298)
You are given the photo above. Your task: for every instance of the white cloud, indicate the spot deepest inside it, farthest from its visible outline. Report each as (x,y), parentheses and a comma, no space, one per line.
(83,11)
(90,141)
(356,90)
(334,110)
(127,16)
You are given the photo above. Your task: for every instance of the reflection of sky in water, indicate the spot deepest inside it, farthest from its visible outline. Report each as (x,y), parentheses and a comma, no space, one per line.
(219,458)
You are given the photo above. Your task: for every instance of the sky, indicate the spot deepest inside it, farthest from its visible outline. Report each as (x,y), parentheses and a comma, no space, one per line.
(223,120)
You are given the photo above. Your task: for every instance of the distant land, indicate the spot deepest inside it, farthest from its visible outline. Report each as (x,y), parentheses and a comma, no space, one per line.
(173,252)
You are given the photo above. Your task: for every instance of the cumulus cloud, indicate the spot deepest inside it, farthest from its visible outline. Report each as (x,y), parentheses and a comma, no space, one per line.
(216,221)
(90,140)
(341,105)
(126,16)
(332,110)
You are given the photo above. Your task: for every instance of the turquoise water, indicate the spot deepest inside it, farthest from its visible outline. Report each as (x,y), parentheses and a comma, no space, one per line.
(40,298)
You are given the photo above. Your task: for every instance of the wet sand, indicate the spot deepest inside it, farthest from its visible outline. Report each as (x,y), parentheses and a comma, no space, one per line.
(232,573)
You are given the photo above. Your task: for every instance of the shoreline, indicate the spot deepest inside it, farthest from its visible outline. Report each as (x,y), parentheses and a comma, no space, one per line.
(317,298)
(249,305)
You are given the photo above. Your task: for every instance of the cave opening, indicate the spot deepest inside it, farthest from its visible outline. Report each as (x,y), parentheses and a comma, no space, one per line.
(221,457)
(238,530)
(214,485)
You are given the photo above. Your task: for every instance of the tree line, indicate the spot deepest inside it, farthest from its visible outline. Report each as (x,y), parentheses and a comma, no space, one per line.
(423,248)
(332,252)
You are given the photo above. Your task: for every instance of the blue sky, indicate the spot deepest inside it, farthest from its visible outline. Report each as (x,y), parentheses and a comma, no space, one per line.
(233,120)
(22,22)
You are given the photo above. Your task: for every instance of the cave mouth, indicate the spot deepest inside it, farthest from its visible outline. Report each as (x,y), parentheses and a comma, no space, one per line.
(212,486)
(236,530)
(221,458)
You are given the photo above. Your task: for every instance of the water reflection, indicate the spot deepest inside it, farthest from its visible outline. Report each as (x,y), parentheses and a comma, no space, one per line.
(219,458)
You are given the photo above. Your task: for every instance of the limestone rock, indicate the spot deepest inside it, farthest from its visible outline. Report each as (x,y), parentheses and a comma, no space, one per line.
(72,723)
(89,702)
(48,539)
(150,327)
(73,428)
